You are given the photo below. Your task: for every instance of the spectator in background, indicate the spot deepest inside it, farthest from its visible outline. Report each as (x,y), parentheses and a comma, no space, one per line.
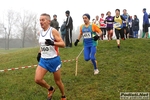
(63,30)
(69,28)
(126,23)
(145,23)
(109,28)
(54,23)
(130,27)
(102,25)
(135,26)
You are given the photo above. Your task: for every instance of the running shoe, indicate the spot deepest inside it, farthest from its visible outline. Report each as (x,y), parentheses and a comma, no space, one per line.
(50,94)
(63,98)
(96,71)
(118,46)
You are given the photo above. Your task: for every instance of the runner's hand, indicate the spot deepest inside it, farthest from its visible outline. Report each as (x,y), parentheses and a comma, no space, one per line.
(49,42)
(38,57)
(76,43)
(96,37)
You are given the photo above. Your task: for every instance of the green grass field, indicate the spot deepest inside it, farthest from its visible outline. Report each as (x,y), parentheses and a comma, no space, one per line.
(121,70)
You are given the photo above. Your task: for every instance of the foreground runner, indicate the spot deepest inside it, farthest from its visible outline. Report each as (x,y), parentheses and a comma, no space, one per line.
(48,57)
(88,31)
(118,19)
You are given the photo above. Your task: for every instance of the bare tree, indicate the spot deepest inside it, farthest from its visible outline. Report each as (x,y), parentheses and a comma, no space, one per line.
(5,37)
(26,23)
(1,30)
(35,29)
(11,19)
(2,35)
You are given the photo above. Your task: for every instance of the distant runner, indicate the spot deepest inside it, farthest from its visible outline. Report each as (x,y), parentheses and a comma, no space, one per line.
(118,25)
(109,28)
(103,25)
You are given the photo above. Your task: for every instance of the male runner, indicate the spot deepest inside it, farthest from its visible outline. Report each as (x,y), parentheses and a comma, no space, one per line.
(49,60)
(91,34)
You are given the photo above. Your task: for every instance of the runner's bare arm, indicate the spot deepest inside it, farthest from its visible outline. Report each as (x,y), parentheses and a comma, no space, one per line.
(58,40)
(100,32)
(40,51)
(97,30)
(80,35)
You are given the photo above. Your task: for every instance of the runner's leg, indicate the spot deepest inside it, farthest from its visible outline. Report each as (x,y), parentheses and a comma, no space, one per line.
(111,34)
(117,37)
(58,81)
(93,59)
(86,53)
(39,74)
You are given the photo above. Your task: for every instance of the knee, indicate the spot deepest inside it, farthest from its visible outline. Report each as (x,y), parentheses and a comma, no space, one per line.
(37,80)
(86,59)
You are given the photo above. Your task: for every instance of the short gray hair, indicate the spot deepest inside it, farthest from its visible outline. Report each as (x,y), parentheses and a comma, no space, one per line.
(47,15)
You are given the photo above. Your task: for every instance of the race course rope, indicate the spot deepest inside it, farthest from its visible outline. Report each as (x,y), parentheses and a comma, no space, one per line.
(5,70)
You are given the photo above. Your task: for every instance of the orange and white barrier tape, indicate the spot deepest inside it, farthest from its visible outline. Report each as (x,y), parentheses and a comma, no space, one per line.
(63,61)
(5,70)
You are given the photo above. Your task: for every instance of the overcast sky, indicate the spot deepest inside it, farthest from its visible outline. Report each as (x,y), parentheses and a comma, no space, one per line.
(77,8)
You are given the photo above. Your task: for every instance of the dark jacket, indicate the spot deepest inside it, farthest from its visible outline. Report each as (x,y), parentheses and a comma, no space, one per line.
(135,24)
(63,28)
(54,23)
(145,18)
(69,22)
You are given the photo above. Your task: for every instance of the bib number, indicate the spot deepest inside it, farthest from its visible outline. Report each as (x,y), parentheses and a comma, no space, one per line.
(45,49)
(87,35)
(117,25)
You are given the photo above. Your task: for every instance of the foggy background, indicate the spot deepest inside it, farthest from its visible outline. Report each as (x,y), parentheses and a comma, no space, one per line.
(19,19)
(19,30)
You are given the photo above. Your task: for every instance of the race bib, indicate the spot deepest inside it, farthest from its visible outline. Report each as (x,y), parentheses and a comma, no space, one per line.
(45,49)
(86,35)
(124,21)
(117,25)
(97,22)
